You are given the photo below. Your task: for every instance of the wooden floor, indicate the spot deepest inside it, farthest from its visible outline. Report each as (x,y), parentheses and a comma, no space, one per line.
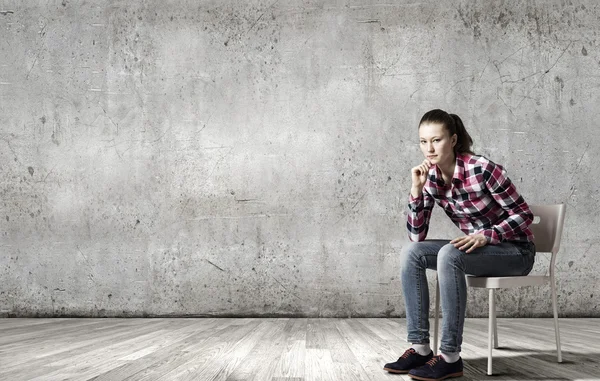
(277,349)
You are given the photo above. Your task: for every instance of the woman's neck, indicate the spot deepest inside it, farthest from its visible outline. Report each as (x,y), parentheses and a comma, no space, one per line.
(447,169)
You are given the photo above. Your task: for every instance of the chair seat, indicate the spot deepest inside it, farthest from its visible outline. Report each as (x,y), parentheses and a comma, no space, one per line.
(506,281)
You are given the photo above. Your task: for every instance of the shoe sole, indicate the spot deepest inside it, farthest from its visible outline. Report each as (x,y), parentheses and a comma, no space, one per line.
(457,374)
(396,371)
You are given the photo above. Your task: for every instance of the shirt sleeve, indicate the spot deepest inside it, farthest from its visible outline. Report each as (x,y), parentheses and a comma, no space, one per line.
(505,194)
(419,213)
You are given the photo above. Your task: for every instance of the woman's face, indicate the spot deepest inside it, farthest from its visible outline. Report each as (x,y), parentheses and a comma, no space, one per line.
(436,144)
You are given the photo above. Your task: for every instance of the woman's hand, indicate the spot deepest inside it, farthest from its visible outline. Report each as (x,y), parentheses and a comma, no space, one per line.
(419,177)
(469,242)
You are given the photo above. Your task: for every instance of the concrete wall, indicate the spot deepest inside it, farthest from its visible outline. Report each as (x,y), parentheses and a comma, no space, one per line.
(252,158)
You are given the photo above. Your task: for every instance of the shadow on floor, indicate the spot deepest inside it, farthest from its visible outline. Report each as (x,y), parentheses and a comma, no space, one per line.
(509,364)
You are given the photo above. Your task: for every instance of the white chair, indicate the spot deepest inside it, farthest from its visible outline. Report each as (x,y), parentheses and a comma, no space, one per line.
(547,228)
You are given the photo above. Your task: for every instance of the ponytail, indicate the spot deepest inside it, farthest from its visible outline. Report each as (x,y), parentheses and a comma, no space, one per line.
(454,125)
(463,141)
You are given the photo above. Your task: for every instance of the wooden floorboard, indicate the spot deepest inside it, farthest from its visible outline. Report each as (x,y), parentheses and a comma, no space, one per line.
(273,349)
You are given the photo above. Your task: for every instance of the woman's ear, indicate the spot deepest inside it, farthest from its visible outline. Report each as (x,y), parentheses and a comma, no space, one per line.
(454,140)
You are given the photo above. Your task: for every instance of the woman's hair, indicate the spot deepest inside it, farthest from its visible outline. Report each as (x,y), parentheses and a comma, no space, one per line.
(454,125)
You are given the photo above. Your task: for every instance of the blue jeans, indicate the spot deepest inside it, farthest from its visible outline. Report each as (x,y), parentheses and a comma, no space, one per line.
(505,259)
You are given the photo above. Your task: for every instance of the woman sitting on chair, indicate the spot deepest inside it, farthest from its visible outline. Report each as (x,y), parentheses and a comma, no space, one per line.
(481,200)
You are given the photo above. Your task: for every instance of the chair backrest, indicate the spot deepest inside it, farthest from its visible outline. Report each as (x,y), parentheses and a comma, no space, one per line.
(547,227)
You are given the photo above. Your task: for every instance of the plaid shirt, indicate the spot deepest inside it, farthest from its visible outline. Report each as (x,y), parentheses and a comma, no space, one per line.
(480,199)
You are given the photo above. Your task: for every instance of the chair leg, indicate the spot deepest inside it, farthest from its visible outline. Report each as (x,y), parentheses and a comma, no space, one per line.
(495,326)
(491,320)
(556,330)
(436,321)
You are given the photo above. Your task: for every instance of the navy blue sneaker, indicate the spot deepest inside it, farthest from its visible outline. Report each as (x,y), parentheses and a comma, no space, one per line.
(437,369)
(409,360)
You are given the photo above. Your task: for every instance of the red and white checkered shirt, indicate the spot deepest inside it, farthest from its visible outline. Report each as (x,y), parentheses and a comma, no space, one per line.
(480,199)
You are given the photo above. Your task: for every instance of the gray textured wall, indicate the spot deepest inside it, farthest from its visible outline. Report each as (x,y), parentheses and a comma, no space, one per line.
(218,158)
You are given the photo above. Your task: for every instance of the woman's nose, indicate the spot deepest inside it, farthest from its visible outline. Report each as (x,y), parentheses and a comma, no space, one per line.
(430,147)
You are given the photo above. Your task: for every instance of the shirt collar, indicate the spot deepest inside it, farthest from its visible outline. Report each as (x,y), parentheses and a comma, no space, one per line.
(459,169)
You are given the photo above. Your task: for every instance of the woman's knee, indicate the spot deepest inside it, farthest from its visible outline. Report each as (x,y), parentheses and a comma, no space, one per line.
(449,256)
(412,253)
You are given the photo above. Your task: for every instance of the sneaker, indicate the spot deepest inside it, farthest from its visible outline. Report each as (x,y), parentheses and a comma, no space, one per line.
(409,360)
(437,369)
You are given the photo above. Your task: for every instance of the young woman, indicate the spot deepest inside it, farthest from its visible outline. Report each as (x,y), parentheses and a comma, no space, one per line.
(481,200)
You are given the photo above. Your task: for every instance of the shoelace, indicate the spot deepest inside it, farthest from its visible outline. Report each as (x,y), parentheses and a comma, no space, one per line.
(407,353)
(434,360)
